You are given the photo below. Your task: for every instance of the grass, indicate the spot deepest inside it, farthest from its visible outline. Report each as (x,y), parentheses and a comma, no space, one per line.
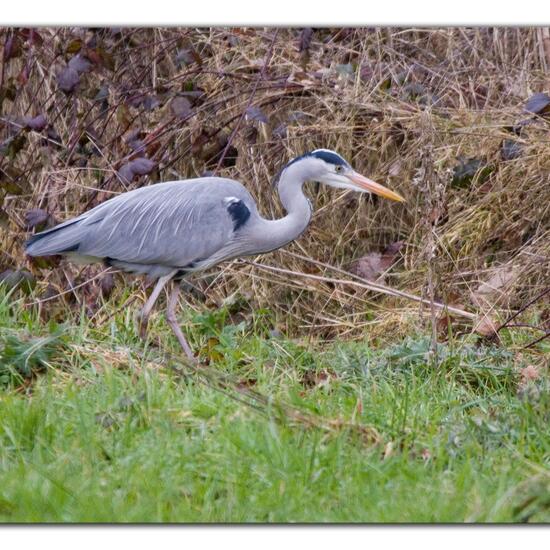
(105,431)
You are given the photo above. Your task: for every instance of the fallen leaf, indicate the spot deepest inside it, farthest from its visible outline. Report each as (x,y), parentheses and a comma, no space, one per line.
(37,123)
(510,149)
(80,64)
(255,113)
(68,80)
(491,291)
(106,285)
(181,107)
(74,46)
(538,104)
(529,373)
(4,219)
(486,326)
(20,278)
(12,47)
(372,266)
(11,146)
(469,169)
(37,218)
(317,378)
(137,167)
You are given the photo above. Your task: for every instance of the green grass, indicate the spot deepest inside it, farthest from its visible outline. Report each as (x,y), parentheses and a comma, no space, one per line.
(106,431)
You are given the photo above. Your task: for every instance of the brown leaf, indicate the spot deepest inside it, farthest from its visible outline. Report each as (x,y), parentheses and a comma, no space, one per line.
(538,104)
(305,39)
(11,146)
(106,58)
(317,378)
(74,46)
(68,80)
(372,266)
(181,107)
(80,64)
(12,47)
(136,167)
(20,278)
(107,285)
(37,218)
(488,293)
(32,36)
(486,326)
(4,219)
(37,123)
(142,166)
(529,373)
(255,113)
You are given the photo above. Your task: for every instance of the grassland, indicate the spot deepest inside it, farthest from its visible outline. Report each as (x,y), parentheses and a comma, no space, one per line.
(109,430)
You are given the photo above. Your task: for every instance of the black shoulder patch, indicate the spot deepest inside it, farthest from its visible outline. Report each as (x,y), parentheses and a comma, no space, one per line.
(239,213)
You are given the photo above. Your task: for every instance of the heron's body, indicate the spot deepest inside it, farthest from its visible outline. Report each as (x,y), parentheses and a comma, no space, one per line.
(154,230)
(171,229)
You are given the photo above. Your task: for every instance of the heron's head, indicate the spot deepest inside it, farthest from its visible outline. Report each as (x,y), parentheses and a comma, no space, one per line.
(330,168)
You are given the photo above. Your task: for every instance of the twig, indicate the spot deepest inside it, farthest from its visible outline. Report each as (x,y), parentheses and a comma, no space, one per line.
(540,339)
(522,309)
(376,287)
(253,93)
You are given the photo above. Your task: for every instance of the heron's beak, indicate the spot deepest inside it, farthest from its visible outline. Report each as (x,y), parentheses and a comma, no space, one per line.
(368,185)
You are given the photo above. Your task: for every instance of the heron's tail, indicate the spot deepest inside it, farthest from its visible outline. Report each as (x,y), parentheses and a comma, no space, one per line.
(61,239)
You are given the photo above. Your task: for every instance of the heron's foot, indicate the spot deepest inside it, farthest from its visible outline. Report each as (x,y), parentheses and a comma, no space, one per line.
(173,322)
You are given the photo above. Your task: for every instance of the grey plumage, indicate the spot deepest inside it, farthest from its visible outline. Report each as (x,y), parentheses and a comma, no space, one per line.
(169,230)
(152,229)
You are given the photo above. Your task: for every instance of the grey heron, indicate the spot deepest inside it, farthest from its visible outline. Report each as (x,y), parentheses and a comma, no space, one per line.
(171,230)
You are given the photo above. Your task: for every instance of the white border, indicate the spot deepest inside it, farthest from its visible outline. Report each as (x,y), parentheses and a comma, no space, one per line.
(275,12)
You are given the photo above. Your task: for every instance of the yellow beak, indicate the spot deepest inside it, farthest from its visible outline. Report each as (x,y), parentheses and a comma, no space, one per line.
(368,185)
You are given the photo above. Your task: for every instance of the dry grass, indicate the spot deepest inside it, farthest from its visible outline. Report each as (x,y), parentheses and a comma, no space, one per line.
(384,98)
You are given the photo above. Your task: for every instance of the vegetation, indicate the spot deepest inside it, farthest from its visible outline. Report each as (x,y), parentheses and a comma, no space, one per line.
(331,385)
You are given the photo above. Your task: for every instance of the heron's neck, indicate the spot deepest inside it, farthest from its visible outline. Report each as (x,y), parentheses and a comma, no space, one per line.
(298,211)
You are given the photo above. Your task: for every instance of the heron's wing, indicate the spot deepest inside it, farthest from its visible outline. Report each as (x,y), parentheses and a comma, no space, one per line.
(168,224)
(171,224)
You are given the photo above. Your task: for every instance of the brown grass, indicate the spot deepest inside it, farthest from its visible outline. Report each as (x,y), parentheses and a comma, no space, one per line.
(384,98)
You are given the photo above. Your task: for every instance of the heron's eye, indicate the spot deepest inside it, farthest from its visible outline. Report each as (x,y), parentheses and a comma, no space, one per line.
(338,169)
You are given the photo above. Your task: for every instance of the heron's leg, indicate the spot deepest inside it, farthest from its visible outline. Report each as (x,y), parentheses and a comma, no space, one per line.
(173,321)
(146,309)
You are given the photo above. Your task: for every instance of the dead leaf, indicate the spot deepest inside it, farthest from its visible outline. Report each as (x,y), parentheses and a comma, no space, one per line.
(373,266)
(255,113)
(486,326)
(492,291)
(142,166)
(538,104)
(37,123)
(106,285)
(74,46)
(529,373)
(20,278)
(80,64)
(37,218)
(317,378)
(68,80)
(4,219)
(181,107)
(12,47)
(137,167)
